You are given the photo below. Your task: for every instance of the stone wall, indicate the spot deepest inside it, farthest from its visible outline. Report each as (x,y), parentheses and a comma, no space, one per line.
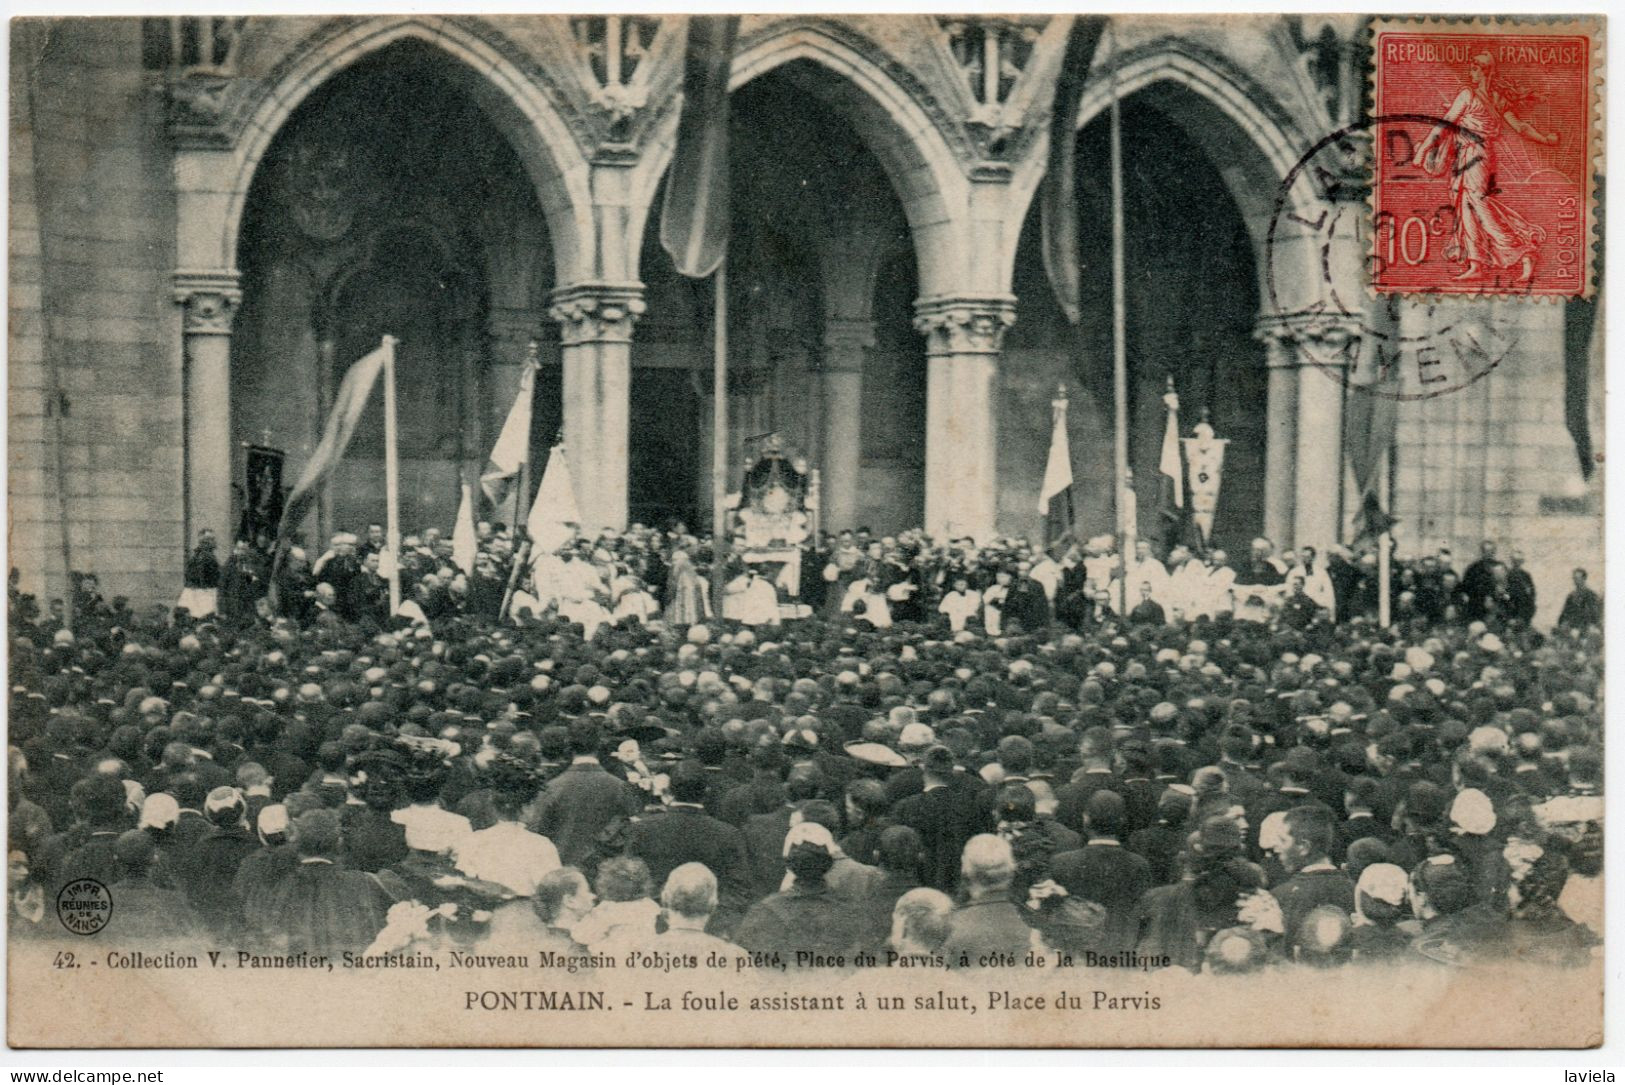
(1495,461)
(100,214)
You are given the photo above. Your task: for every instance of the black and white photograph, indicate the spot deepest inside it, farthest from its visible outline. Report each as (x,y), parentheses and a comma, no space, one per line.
(804,529)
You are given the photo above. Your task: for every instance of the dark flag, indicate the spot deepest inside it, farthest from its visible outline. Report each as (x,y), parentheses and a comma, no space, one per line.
(1579,328)
(263,496)
(694,217)
(1579,322)
(1368,432)
(1058,203)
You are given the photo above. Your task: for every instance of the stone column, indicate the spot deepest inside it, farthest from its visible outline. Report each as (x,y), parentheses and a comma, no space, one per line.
(1281,427)
(596,334)
(209,302)
(963,337)
(1321,364)
(846,346)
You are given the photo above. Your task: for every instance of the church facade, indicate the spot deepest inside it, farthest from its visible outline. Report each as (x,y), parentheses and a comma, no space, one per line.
(213,217)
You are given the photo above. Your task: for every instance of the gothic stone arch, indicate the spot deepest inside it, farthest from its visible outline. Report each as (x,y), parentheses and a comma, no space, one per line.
(927,176)
(212,184)
(1257,151)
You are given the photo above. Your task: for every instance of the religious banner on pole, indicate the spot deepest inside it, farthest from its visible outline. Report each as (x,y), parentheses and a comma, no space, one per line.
(263,496)
(1205,454)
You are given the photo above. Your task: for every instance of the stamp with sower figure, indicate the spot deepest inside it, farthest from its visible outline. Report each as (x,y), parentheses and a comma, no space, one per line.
(1485,185)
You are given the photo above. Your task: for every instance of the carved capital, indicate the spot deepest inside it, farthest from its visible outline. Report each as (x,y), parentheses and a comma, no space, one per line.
(597,312)
(964,324)
(200,104)
(509,327)
(845,342)
(210,300)
(1326,337)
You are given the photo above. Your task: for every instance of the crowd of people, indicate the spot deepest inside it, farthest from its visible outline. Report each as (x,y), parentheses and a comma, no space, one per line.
(944,754)
(644,574)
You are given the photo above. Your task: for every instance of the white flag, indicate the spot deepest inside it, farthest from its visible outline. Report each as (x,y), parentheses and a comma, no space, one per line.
(513,443)
(1058,472)
(1170,465)
(554,516)
(464,543)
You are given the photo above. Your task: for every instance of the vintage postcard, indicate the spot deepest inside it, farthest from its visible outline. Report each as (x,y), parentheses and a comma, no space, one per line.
(805,530)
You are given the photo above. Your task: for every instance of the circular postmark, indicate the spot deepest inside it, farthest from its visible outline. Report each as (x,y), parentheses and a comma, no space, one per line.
(1324,255)
(84,906)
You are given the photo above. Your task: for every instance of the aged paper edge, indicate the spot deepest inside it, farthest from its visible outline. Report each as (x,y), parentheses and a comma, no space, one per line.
(1402,1006)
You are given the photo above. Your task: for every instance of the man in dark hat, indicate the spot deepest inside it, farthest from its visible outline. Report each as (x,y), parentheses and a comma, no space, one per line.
(145,915)
(1106,872)
(372,839)
(1161,842)
(763,793)
(295,587)
(1096,773)
(1359,799)
(1455,926)
(765,833)
(242,583)
(1180,918)
(897,854)
(200,595)
(684,833)
(320,907)
(1147,611)
(1478,582)
(1027,604)
(952,808)
(1582,610)
(88,848)
(1520,591)
(581,801)
(1295,776)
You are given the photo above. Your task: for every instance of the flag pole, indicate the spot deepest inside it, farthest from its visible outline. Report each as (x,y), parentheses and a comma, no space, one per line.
(521,496)
(520,561)
(719,438)
(1119,348)
(392,478)
(1385,550)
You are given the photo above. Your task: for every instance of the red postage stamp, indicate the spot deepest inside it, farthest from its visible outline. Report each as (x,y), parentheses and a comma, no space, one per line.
(1488,133)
